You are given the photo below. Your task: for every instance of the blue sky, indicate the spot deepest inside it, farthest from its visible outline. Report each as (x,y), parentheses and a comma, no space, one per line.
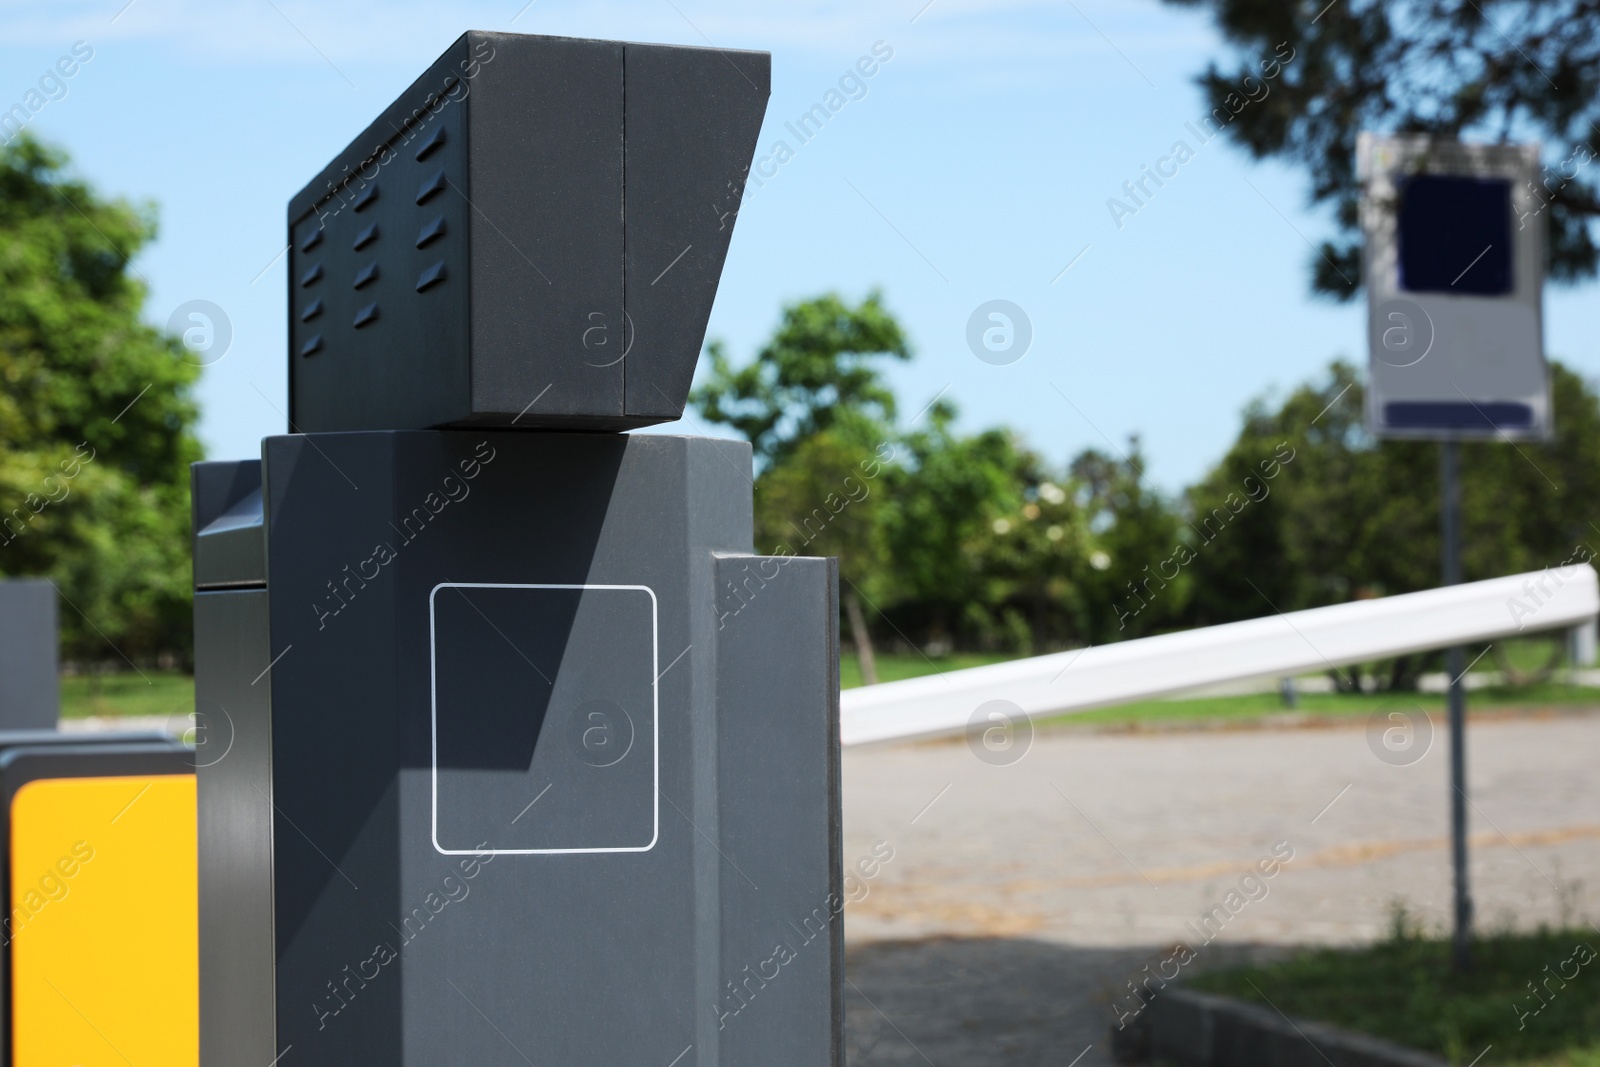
(978,166)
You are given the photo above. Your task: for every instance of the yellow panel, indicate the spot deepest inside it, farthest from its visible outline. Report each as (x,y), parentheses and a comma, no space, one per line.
(104,929)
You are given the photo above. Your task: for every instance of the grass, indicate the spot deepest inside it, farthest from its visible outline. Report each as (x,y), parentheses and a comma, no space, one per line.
(170,692)
(1524,653)
(1404,989)
(1255,706)
(153,693)
(895,667)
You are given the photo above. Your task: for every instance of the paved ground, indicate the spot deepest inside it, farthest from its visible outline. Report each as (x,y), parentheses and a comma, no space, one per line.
(1021,898)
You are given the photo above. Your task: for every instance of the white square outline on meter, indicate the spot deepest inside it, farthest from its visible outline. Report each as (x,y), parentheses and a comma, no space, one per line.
(655,726)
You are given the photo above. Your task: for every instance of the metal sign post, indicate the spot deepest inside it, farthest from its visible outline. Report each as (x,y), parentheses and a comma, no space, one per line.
(1454,269)
(1455,668)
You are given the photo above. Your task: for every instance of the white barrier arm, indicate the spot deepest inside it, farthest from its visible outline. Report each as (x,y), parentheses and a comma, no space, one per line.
(1279,645)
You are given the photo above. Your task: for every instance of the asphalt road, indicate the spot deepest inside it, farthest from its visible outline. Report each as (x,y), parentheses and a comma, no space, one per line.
(1021,897)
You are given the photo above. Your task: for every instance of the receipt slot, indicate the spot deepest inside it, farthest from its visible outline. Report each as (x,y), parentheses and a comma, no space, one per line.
(516,752)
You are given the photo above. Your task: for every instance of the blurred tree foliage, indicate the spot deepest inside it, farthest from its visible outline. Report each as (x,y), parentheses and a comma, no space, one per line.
(953,523)
(824,498)
(95,417)
(1492,70)
(818,366)
(951,540)
(975,541)
(1349,517)
(816,413)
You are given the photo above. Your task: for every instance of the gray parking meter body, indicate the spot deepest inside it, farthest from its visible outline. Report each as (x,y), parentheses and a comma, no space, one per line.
(512,750)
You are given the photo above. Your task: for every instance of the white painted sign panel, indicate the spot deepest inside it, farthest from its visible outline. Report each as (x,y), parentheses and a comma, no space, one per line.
(1454,270)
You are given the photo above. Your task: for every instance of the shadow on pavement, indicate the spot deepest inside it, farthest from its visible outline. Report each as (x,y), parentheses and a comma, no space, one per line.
(979,1002)
(965,1002)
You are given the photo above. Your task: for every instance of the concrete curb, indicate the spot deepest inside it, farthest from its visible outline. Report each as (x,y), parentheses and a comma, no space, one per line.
(1202,1030)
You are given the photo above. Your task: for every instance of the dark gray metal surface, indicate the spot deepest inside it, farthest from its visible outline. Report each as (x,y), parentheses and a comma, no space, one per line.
(229,545)
(692,119)
(783,932)
(586,662)
(232,754)
(515,823)
(545,134)
(531,235)
(30,695)
(410,365)
(232,762)
(231,551)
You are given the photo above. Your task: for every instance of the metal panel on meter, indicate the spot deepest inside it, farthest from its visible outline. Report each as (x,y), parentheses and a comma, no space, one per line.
(525,758)
(531,235)
(30,696)
(1454,268)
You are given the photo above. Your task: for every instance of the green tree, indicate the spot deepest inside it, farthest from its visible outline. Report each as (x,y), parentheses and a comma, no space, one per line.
(816,412)
(989,546)
(1034,555)
(958,538)
(822,362)
(1491,69)
(1241,562)
(825,498)
(95,416)
(1134,585)
(1336,515)
(946,494)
